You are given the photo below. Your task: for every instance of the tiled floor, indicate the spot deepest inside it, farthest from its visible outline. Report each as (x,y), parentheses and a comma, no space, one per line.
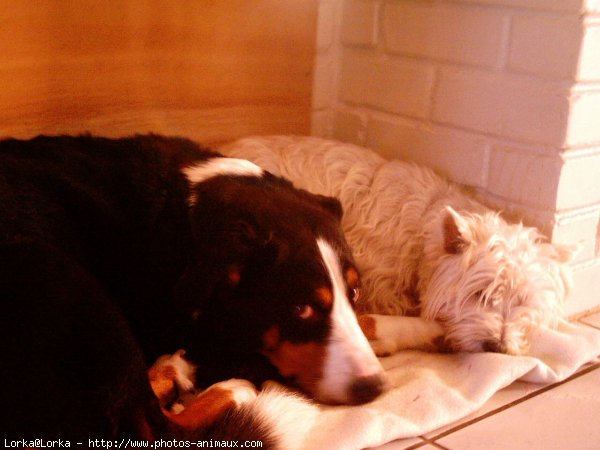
(564,416)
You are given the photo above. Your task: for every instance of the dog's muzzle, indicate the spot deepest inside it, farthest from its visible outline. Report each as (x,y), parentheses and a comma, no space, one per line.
(366,389)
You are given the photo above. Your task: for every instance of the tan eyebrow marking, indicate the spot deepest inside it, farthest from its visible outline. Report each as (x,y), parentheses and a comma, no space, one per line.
(234,275)
(352,277)
(325,296)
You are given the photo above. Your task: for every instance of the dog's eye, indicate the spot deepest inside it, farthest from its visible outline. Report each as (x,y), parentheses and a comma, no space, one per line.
(354,294)
(304,311)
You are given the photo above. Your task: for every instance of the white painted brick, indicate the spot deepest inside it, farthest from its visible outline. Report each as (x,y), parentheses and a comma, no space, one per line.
(349,126)
(579,182)
(542,219)
(579,228)
(545,44)
(584,121)
(514,212)
(542,5)
(360,22)
(393,85)
(458,155)
(444,31)
(586,287)
(510,106)
(321,123)
(323,92)
(592,6)
(524,178)
(589,61)
(326,24)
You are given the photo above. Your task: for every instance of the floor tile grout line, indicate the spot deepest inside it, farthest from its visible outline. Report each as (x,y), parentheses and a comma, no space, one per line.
(588,324)
(433,440)
(436,444)
(582,319)
(509,405)
(425,441)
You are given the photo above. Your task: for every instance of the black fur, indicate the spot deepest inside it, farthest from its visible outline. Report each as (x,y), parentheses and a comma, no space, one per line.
(104,267)
(268,231)
(92,239)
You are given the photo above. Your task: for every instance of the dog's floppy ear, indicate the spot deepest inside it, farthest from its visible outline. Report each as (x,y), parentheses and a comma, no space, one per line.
(455,231)
(331,204)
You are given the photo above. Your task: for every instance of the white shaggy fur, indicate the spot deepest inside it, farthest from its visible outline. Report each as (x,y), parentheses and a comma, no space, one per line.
(424,246)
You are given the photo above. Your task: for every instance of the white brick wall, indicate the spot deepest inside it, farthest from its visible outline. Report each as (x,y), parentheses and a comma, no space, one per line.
(445,31)
(545,44)
(501,104)
(589,64)
(579,184)
(372,81)
(360,23)
(502,95)
(572,6)
(459,155)
(584,128)
(527,178)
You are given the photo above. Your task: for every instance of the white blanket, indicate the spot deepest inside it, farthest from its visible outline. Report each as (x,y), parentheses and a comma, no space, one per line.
(433,390)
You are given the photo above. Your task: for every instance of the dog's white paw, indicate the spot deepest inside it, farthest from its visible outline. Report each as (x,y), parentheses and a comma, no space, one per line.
(185,371)
(177,408)
(383,347)
(184,384)
(242,391)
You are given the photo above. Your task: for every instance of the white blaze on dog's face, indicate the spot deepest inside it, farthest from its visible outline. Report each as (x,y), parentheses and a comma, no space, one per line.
(494,283)
(351,372)
(333,360)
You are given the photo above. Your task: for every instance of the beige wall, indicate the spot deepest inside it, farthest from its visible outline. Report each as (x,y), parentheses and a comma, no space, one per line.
(502,95)
(208,69)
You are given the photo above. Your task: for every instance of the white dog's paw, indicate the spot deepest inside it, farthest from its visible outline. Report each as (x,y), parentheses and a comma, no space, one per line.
(242,391)
(177,408)
(185,371)
(184,384)
(172,377)
(383,347)
(391,334)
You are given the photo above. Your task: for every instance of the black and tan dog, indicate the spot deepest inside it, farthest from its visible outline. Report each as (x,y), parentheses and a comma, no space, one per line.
(116,251)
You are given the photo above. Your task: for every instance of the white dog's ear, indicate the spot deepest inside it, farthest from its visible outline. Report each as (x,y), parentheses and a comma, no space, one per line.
(455,230)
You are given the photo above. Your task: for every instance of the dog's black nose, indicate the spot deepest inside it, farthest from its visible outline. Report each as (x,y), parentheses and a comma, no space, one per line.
(365,389)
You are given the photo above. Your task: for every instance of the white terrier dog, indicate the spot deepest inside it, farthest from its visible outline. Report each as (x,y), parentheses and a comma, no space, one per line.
(426,248)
